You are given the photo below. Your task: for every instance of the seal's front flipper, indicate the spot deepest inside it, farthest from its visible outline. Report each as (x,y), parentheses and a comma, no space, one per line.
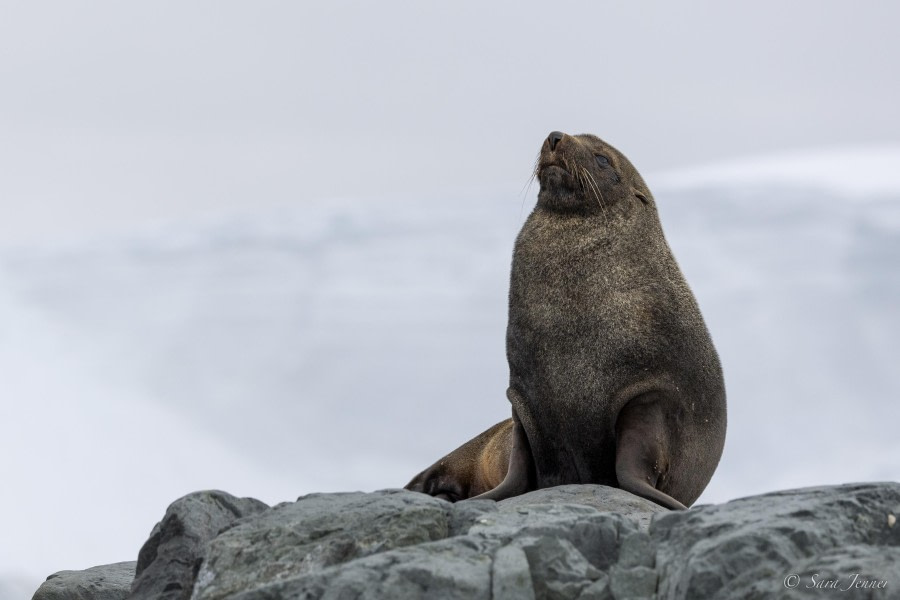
(520,475)
(642,452)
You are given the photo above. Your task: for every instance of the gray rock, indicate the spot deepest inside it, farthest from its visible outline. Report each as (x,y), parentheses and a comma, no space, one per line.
(168,561)
(511,576)
(601,497)
(595,534)
(632,583)
(558,569)
(456,568)
(316,532)
(858,571)
(464,515)
(598,590)
(753,544)
(106,582)
(399,544)
(562,543)
(637,550)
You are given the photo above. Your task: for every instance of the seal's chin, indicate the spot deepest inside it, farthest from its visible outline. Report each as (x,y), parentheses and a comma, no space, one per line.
(559,188)
(558,198)
(554,169)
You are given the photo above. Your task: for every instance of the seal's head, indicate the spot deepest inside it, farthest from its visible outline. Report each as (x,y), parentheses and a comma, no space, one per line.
(584,174)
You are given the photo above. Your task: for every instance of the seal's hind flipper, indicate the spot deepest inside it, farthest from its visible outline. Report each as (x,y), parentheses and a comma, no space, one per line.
(642,450)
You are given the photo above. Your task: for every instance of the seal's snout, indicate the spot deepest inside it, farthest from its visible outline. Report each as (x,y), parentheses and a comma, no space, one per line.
(554,138)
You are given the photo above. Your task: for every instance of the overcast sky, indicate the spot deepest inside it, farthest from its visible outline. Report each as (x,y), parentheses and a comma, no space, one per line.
(113,114)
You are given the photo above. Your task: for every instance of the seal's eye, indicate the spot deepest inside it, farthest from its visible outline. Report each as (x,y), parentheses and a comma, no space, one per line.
(601,160)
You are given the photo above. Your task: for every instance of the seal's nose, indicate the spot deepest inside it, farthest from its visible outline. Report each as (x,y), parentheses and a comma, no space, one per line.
(554,138)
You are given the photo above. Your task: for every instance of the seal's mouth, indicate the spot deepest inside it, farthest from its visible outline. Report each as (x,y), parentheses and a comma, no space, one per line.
(560,179)
(551,168)
(556,175)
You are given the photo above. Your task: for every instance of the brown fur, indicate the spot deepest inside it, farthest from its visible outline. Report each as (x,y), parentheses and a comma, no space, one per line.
(475,467)
(613,376)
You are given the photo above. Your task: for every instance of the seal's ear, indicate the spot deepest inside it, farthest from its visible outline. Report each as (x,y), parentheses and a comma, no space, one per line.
(641,197)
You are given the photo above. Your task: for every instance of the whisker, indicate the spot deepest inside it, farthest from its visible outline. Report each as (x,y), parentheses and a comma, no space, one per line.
(525,193)
(528,183)
(574,171)
(526,189)
(593,188)
(599,195)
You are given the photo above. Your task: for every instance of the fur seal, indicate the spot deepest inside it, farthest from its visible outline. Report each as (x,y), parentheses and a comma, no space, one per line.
(613,376)
(476,467)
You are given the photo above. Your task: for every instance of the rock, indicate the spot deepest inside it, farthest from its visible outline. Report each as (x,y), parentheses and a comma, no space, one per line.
(316,532)
(598,590)
(397,538)
(106,582)
(601,497)
(168,562)
(853,569)
(574,542)
(452,569)
(634,582)
(637,550)
(511,576)
(754,543)
(464,515)
(558,569)
(593,533)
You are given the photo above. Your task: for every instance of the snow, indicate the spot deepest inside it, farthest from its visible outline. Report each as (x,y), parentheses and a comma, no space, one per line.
(346,344)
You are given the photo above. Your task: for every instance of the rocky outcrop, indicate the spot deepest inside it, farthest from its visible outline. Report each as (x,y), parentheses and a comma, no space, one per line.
(584,542)
(168,562)
(399,544)
(106,582)
(784,542)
